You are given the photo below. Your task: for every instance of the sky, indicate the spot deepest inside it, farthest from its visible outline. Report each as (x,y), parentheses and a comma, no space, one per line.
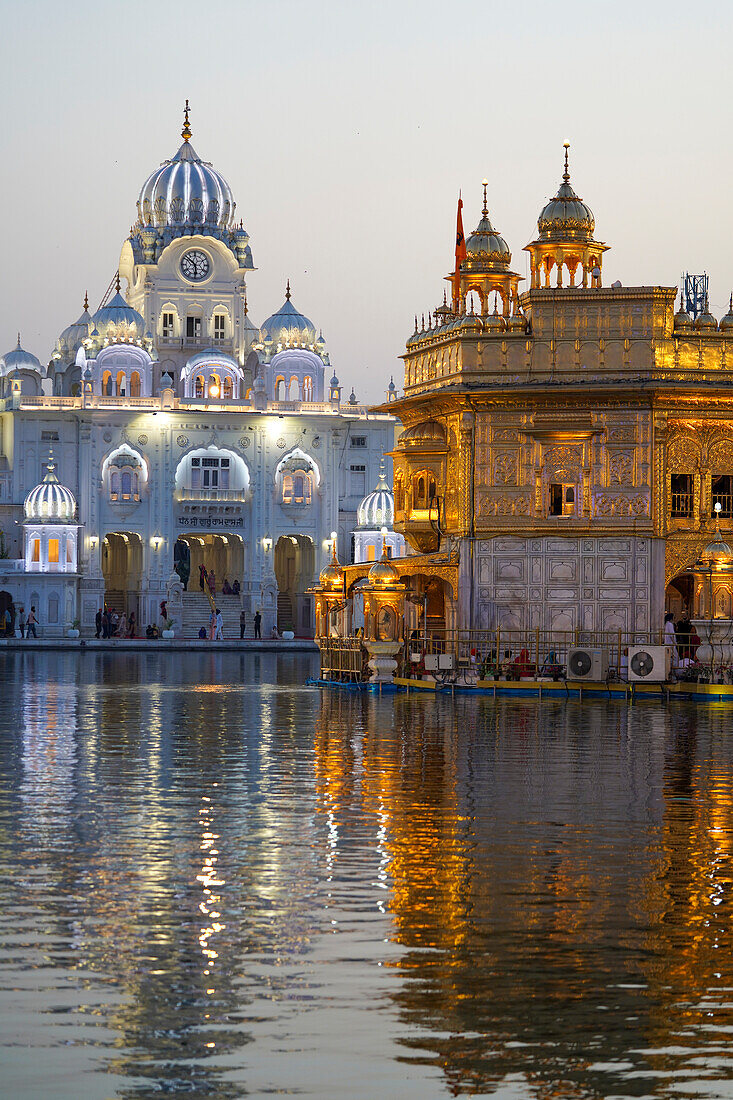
(346,130)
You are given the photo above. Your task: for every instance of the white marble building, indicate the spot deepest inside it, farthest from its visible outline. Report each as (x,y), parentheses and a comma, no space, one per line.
(186,433)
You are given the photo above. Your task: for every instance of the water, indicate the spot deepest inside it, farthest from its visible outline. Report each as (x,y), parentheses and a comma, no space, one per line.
(248,887)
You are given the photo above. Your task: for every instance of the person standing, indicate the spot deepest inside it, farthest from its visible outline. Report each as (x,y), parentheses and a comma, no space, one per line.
(21,623)
(219,635)
(258,625)
(98,623)
(32,623)
(131,625)
(202,576)
(242,623)
(212,626)
(212,582)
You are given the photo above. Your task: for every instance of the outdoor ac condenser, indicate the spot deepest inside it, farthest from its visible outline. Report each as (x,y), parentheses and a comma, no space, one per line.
(587,664)
(649,664)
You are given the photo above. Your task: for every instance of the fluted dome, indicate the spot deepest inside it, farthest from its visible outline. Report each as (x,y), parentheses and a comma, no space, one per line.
(566,214)
(706,322)
(717,555)
(430,431)
(186,191)
(117,318)
(75,334)
(333,575)
(682,319)
(50,502)
(19,359)
(377,508)
(383,572)
(288,326)
(485,245)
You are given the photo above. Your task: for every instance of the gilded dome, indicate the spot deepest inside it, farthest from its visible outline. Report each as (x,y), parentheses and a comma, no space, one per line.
(333,575)
(383,572)
(186,191)
(430,431)
(706,322)
(485,245)
(50,502)
(682,319)
(726,323)
(566,214)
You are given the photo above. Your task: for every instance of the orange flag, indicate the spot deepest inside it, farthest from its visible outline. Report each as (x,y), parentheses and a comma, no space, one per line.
(460,252)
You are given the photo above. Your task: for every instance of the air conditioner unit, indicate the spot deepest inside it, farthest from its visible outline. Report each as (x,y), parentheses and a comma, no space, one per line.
(649,664)
(587,664)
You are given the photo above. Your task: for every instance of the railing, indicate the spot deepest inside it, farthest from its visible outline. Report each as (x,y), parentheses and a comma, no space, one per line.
(343,659)
(202,341)
(726,505)
(681,504)
(211,494)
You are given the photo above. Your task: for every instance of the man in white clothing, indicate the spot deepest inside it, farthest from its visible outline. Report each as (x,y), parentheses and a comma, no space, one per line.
(219,635)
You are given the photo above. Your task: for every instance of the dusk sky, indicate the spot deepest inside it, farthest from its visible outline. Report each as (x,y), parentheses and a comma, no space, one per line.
(346,131)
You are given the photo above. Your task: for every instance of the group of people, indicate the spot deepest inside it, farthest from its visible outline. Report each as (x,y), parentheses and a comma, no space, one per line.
(26,625)
(216,625)
(112,624)
(207,579)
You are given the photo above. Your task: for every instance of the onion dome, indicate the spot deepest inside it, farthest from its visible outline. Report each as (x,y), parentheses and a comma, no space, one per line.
(494,322)
(117,319)
(377,508)
(186,192)
(288,326)
(19,359)
(213,357)
(50,502)
(333,575)
(74,335)
(485,245)
(391,388)
(383,572)
(726,323)
(682,319)
(706,322)
(470,324)
(566,215)
(429,432)
(517,322)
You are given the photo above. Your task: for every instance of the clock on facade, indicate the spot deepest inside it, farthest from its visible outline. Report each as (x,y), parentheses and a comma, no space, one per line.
(195,265)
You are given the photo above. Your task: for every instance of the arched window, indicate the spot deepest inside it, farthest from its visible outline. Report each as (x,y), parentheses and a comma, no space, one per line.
(280,388)
(228,389)
(293,389)
(126,483)
(214,386)
(121,383)
(36,554)
(134,384)
(107,384)
(114,485)
(69,550)
(199,385)
(288,489)
(307,388)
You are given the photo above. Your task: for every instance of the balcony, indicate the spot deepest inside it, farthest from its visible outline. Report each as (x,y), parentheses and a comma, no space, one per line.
(196,342)
(681,505)
(211,494)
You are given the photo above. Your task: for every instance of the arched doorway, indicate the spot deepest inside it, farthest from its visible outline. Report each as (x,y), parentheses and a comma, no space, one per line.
(122,566)
(295,559)
(224,553)
(432,607)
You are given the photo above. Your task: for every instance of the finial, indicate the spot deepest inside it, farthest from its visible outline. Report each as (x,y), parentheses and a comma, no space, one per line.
(86,301)
(415,322)
(423,328)
(18,339)
(245,301)
(445,303)
(287,292)
(485,184)
(566,173)
(186,131)
(117,282)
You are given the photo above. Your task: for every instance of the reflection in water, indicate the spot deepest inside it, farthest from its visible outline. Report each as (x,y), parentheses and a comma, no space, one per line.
(251,887)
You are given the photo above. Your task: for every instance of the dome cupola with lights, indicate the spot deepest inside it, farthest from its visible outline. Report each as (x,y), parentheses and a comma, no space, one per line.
(186,196)
(483,271)
(565,241)
(50,501)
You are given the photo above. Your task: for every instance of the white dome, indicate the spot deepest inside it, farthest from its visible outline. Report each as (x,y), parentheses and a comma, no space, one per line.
(377,508)
(50,502)
(20,359)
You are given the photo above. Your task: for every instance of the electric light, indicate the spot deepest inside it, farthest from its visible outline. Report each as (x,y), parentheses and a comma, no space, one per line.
(267,544)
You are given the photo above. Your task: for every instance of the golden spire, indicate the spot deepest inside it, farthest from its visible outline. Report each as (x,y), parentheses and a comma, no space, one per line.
(566,173)
(186,131)
(86,301)
(287,292)
(485,184)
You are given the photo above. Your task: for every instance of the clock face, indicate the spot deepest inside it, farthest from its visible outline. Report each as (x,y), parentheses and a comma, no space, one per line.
(195,265)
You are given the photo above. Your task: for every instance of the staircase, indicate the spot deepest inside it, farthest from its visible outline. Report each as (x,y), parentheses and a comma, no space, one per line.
(197,613)
(285,618)
(115,600)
